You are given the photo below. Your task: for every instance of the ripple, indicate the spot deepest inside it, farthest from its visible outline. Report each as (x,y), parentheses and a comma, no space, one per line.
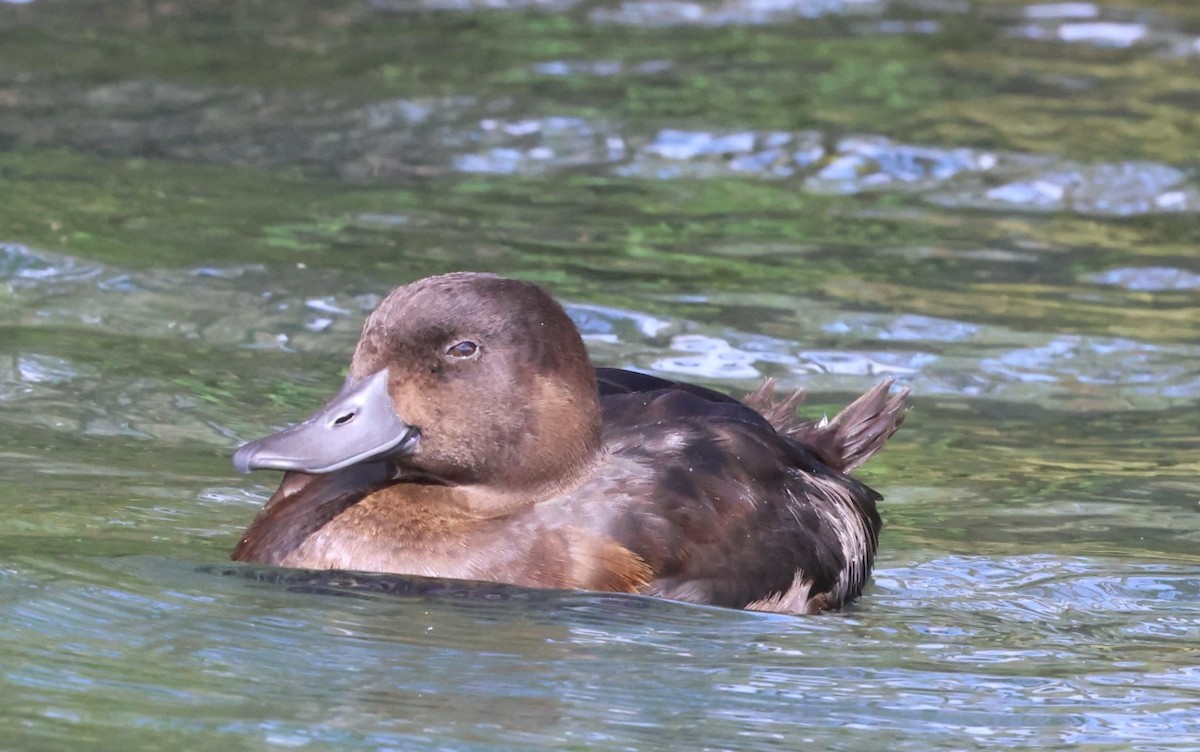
(232,495)
(21,266)
(1122,190)
(1103,34)
(599,68)
(1126,363)
(534,146)
(392,139)
(408,6)
(728,12)
(873,163)
(45,369)
(605,320)
(1148,278)
(903,328)
(715,359)
(1097,33)
(1103,27)
(290,309)
(26,376)
(1060,594)
(224,305)
(1061,10)
(841,363)
(673,154)
(950,177)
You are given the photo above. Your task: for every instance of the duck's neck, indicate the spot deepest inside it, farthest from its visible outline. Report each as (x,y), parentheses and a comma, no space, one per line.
(487,501)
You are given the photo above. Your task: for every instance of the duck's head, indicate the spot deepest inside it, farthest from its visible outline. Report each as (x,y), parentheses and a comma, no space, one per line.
(464,379)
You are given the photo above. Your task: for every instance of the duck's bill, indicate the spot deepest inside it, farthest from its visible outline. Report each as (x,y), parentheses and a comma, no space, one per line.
(358,425)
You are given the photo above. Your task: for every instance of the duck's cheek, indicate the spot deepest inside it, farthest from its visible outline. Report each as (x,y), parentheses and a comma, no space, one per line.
(358,425)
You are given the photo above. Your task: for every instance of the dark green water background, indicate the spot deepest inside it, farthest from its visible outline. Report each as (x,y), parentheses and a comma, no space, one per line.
(997,202)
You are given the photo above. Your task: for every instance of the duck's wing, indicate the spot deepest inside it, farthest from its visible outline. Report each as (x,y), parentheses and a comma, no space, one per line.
(619,389)
(729,512)
(615,381)
(844,442)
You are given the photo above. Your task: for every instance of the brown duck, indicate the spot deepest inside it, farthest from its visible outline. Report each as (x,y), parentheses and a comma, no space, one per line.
(473,439)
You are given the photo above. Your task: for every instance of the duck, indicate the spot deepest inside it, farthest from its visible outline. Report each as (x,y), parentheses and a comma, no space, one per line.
(473,439)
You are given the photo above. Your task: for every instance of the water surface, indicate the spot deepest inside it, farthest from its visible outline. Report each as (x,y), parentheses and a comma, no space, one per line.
(994,202)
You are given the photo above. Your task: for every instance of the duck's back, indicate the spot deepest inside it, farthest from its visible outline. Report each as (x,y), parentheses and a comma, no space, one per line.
(737,504)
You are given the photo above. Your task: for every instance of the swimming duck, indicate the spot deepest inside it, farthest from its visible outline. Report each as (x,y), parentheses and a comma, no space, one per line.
(473,439)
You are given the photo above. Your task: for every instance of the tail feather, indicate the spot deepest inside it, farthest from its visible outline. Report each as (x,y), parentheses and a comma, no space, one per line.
(852,436)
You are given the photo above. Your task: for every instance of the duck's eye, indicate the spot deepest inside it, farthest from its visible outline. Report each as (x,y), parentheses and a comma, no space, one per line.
(462,350)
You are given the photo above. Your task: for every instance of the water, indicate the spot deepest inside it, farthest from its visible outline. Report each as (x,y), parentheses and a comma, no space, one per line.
(994,202)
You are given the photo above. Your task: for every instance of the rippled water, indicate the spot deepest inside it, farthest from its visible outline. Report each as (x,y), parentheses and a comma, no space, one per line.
(995,202)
